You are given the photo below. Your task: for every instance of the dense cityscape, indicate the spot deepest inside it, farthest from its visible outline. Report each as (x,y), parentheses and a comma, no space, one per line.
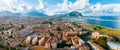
(39,33)
(59,24)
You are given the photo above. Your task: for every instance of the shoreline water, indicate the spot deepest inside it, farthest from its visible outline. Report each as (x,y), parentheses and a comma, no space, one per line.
(93,24)
(112,24)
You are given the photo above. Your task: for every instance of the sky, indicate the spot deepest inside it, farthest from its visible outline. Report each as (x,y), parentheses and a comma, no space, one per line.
(52,7)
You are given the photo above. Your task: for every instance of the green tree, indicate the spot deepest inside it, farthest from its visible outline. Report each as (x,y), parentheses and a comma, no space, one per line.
(21,45)
(64,42)
(58,28)
(46,22)
(1,30)
(21,27)
(97,28)
(102,41)
(61,45)
(11,24)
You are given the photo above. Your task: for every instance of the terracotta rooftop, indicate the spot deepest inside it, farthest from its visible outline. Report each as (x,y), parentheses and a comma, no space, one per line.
(41,28)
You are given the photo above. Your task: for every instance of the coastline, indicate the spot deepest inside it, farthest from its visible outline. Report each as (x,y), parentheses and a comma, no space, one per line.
(103,26)
(104,30)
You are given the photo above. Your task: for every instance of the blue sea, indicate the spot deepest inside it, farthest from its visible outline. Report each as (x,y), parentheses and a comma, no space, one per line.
(106,21)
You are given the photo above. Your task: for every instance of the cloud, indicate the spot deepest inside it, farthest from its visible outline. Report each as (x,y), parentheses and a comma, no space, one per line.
(108,8)
(80,4)
(96,8)
(13,6)
(84,6)
(41,6)
(67,6)
(20,6)
(23,8)
(116,9)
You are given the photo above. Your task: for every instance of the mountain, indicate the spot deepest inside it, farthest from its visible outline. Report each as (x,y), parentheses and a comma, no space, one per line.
(70,14)
(35,13)
(8,13)
(73,13)
(32,13)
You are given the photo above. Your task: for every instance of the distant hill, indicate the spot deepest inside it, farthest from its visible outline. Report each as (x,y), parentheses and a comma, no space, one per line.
(70,14)
(73,13)
(8,13)
(33,13)
(36,13)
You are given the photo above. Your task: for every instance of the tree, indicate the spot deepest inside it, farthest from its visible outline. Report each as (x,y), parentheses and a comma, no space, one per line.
(58,28)
(21,27)
(97,28)
(11,24)
(21,45)
(1,30)
(46,22)
(61,45)
(64,42)
(102,41)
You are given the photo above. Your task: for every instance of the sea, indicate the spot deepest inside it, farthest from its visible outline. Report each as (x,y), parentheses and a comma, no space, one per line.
(105,21)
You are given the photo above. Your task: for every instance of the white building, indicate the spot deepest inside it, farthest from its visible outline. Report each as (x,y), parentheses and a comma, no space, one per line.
(73,47)
(114,45)
(81,42)
(28,39)
(96,34)
(54,45)
(7,32)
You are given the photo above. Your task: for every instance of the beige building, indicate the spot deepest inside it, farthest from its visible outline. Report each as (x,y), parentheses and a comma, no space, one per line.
(41,41)
(77,41)
(42,28)
(96,34)
(34,40)
(51,43)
